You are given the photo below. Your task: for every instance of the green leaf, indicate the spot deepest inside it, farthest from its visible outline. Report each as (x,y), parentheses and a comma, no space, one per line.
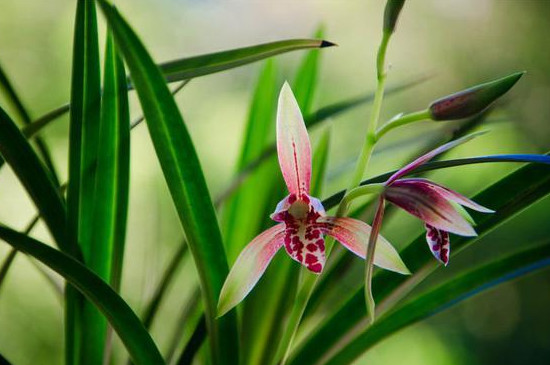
(508,197)
(185,180)
(445,296)
(187,68)
(85,328)
(18,153)
(319,164)
(137,341)
(16,101)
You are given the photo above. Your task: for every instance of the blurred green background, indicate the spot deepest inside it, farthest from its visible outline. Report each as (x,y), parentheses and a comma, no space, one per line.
(456,42)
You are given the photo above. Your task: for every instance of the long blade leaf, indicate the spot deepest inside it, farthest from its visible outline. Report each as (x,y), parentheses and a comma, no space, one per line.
(185,181)
(445,296)
(138,342)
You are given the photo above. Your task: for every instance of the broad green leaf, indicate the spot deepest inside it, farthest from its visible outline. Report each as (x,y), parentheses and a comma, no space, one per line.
(311,120)
(185,180)
(18,153)
(319,164)
(187,68)
(137,341)
(24,115)
(84,325)
(508,197)
(445,296)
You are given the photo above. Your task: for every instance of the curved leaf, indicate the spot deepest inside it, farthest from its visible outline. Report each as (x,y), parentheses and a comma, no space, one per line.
(445,296)
(187,68)
(138,342)
(185,180)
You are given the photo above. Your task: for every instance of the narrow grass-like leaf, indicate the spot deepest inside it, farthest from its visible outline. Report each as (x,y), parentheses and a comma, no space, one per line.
(84,325)
(14,98)
(508,197)
(311,120)
(445,296)
(184,178)
(187,68)
(139,344)
(18,153)
(151,309)
(194,344)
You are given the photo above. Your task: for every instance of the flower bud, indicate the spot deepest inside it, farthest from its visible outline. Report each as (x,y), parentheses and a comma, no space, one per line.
(391,13)
(469,102)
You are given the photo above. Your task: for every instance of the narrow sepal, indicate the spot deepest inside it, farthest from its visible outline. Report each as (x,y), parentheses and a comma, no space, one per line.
(439,243)
(354,234)
(450,194)
(293,147)
(428,205)
(249,267)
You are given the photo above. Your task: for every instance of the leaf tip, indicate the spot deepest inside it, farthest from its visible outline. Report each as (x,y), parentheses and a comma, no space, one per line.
(325,44)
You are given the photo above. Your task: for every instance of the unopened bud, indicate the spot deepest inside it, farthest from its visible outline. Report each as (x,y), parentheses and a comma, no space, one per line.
(469,102)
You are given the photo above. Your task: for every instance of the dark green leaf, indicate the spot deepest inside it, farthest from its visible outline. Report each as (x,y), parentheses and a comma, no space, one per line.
(85,327)
(139,344)
(444,296)
(33,175)
(185,180)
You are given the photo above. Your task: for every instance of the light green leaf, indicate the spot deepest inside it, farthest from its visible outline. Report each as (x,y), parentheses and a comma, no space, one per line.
(185,180)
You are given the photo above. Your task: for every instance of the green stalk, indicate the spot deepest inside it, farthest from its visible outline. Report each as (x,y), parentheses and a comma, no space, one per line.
(402,120)
(309,281)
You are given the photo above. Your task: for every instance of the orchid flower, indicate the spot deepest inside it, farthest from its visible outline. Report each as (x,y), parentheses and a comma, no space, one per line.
(433,203)
(302,221)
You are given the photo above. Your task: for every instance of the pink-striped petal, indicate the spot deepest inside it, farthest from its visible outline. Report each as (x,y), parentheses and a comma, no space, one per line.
(439,243)
(305,244)
(428,156)
(249,267)
(450,195)
(293,147)
(428,205)
(354,234)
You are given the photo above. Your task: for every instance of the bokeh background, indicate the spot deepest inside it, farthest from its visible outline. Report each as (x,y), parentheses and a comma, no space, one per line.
(457,43)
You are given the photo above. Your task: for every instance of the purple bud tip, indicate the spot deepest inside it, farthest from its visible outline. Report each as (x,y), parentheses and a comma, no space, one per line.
(325,44)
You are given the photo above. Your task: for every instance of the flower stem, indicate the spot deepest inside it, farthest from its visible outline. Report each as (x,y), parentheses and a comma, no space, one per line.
(402,120)
(369,258)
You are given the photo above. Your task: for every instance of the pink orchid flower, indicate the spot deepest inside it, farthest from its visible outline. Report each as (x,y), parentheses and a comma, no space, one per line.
(433,203)
(302,219)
